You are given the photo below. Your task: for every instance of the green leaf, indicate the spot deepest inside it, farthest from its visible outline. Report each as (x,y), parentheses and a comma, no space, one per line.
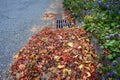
(113,24)
(110,56)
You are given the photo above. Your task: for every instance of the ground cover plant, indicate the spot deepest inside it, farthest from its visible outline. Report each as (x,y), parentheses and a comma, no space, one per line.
(101,18)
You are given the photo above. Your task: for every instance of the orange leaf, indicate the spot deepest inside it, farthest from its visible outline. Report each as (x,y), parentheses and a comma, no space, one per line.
(37,78)
(43,51)
(21,66)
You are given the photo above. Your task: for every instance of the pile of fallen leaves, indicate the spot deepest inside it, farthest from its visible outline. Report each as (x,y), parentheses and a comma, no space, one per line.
(56,54)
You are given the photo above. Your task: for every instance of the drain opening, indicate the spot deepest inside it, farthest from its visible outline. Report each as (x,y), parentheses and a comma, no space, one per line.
(62,23)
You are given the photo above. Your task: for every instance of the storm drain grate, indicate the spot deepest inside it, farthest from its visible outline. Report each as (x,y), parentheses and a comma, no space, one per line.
(62,23)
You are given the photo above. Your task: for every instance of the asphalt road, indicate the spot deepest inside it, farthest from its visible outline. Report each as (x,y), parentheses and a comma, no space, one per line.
(19,19)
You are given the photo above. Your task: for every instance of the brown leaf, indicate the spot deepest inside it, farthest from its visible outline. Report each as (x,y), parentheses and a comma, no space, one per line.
(43,51)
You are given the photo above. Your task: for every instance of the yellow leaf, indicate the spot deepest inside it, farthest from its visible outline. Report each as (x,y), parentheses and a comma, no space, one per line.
(88,40)
(88,74)
(70,44)
(44,39)
(88,16)
(16,56)
(32,55)
(67,50)
(60,66)
(81,66)
(57,58)
(76,56)
(109,78)
(65,70)
(87,62)
(79,47)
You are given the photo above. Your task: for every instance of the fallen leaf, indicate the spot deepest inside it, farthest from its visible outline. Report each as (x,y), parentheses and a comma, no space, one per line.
(57,58)
(88,74)
(67,50)
(37,78)
(60,66)
(44,39)
(70,44)
(81,66)
(59,36)
(65,70)
(43,51)
(50,47)
(16,56)
(79,47)
(21,66)
(32,55)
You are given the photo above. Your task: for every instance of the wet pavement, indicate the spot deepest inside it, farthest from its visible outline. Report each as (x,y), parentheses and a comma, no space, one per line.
(19,19)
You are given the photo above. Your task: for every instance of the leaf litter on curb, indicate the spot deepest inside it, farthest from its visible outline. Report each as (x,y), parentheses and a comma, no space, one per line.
(61,54)
(49,15)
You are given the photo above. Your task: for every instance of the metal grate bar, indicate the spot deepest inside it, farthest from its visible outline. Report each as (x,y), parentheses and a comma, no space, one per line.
(62,23)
